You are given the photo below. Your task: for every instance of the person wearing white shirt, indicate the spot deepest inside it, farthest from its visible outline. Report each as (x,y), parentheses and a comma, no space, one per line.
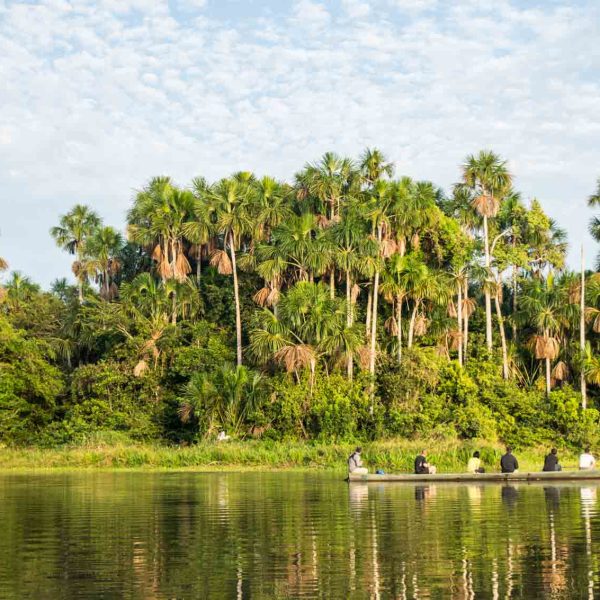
(586,460)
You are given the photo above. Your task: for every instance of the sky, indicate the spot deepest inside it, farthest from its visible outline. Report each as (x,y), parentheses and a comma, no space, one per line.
(98,96)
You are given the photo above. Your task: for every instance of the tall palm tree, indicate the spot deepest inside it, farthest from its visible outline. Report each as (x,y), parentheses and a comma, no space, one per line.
(199,228)
(102,250)
(381,203)
(158,220)
(18,289)
(310,326)
(593,201)
(329,182)
(352,249)
(72,233)
(488,176)
(542,307)
(230,199)
(374,166)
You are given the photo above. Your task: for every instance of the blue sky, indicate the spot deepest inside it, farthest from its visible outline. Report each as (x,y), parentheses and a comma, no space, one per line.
(99,96)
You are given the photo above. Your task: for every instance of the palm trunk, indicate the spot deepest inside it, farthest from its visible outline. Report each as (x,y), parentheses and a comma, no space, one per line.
(198,264)
(350,358)
(79,279)
(374,324)
(236,295)
(174,309)
(466,324)
(399,301)
(548,382)
(582,332)
(411,327)
(459,320)
(488,298)
(332,283)
(502,337)
(369,307)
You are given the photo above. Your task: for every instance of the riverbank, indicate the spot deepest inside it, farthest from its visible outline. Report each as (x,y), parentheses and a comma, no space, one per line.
(390,455)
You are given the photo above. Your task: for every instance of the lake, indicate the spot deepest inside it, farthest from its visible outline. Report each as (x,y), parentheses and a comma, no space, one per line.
(292,535)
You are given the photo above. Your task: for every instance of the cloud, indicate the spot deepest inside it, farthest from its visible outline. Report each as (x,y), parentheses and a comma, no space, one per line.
(97,98)
(311,13)
(356,9)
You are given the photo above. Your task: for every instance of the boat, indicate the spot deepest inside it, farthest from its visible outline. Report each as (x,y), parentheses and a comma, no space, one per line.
(478,477)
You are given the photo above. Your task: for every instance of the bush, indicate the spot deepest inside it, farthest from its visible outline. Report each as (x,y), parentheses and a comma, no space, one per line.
(29,385)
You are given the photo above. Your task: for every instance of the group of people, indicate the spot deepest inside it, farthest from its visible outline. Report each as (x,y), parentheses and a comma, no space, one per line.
(508,462)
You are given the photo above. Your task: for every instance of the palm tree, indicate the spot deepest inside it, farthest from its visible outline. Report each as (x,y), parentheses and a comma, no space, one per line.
(352,249)
(199,228)
(374,166)
(488,176)
(3,264)
(230,200)
(18,289)
(72,233)
(310,325)
(593,201)
(224,399)
(102,251)
(393,289)
(381,204)
(329,182)
(542,307)
(158,219)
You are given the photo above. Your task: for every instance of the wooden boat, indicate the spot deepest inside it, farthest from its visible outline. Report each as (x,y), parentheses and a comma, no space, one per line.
(479,477)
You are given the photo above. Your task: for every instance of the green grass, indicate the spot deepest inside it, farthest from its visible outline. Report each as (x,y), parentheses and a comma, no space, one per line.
(396,455)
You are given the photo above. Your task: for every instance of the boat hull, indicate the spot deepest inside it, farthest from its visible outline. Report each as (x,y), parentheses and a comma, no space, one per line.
(480,477)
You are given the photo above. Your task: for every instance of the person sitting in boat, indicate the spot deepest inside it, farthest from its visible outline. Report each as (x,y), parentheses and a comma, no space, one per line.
(586,461)
(474,464)
(551,461)
(508,462)
(422,467)
(355,465)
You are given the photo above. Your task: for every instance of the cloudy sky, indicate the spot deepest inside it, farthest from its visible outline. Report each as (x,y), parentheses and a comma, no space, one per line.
(97,96)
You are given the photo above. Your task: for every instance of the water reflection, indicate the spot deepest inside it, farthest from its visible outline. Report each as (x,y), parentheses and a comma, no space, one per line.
(290,535)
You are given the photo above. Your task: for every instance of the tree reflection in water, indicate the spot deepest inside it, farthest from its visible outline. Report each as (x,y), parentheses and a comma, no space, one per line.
(187,535)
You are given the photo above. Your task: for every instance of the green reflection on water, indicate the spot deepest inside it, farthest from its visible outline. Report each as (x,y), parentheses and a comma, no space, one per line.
(280,535)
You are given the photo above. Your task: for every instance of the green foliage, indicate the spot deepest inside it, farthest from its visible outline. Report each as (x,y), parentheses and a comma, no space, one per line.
(107,396)
(29,385)
(282,279)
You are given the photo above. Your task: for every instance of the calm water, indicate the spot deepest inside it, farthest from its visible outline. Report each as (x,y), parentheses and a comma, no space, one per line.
(138,535)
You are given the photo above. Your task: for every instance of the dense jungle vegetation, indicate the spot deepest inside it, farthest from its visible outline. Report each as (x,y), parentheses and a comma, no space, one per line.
(350,304)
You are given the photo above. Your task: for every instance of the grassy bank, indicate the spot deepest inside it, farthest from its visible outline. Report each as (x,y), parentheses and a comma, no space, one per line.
(390,455)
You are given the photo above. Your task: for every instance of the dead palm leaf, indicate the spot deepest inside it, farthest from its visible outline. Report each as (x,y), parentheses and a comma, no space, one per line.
(295,357)
(452,310)
(221,260)
(157,253)
(415,241)
(486,205)
(140,368)
(261,297)
(560,371)
(181,268)
(364,354)
(468,306)
(391,326)
(273,297)
(421,325)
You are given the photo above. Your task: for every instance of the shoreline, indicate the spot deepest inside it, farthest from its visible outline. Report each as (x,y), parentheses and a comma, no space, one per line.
(393,456)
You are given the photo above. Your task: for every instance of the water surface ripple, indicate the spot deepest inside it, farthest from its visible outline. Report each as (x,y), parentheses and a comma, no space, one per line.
(291,535)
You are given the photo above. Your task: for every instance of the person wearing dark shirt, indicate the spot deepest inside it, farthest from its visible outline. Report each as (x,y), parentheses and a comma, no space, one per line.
(508,463)
(422,467)
(551,462)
